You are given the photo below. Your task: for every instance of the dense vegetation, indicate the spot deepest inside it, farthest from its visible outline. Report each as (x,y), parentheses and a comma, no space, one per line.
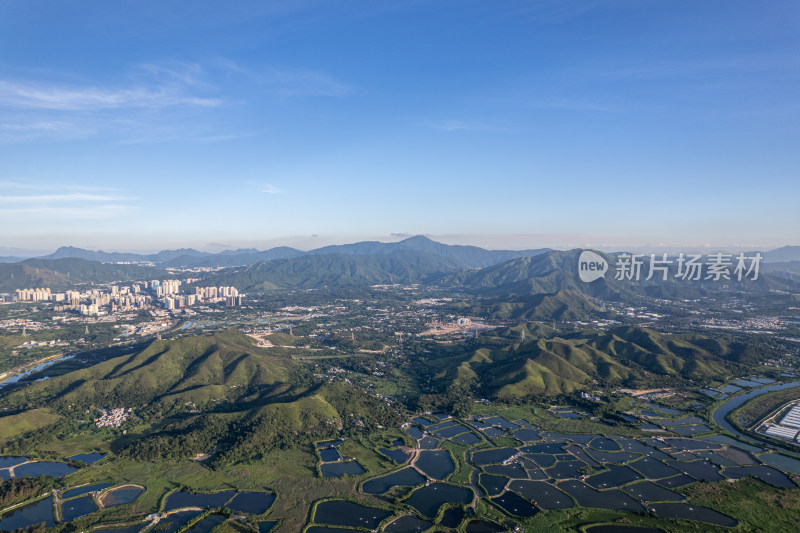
(547,363)
(18,490)
(338,270)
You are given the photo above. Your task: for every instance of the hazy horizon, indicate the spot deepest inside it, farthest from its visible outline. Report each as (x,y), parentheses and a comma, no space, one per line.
(501,242)
(144,126)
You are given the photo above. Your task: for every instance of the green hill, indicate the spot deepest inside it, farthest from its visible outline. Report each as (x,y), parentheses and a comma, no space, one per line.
(337,270)
(15,276)
(563,305)
(202,370)
(464,256)
(59,274)
(550,363)
(222,392)
(195,394)
(554,271)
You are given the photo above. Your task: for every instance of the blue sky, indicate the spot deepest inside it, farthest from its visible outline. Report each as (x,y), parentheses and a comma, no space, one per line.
(146,125)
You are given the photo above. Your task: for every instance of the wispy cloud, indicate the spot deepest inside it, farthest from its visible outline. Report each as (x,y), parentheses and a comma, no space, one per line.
(291,81)
(55,198)
(44,186)
(707,67)
(175,72)
(270,189)
(63,213)
(181,136)
(45,96)
(40,124)
(154,100)
(34,126)
(575,104)
(462,125)
(306,83)
(55,203)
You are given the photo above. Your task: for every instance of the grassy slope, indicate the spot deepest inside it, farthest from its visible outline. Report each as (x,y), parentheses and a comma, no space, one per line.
(17,424)
(197,369)
(555,365)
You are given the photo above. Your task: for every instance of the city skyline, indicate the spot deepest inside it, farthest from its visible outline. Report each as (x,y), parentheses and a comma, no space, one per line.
(141,127)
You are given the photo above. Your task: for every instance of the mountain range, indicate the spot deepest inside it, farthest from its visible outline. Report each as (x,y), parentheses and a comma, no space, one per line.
(467,256)
(65,273)
(543,285)
(551,362)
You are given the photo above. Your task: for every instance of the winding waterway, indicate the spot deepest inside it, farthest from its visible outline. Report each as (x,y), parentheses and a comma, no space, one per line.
(722,411)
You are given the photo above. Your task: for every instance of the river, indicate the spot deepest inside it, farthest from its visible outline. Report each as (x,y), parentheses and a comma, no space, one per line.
(723,410)
(37,368)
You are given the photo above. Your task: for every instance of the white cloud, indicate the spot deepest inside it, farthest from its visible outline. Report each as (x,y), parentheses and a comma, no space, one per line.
(47,107)
(28,185)
(33,95)
(452,125)
(271,189)
(291,81)
(55,198)
(188,74)
(461,125)
(64,213)
(150,103)
(34,126)
(307,83)
(47,203)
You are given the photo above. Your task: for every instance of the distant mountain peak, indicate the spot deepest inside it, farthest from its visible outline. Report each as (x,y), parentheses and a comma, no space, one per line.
(420,238)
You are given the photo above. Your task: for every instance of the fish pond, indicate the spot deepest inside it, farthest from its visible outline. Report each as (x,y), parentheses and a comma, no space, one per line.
(515,505)
(429,499)
(489,457)
(30,515)
(329,454)
(47,468)
(545,495)
(207,524)
(178,500)
(622,529)
(77,507)
(349,514)
(347,468)
(175,521)
(255,503)
(121,496)
(406,477)
(483,526)
(86,489)
(692,512)
(437,464)
(8,461)
(397,455)
(88,458)
(408,524)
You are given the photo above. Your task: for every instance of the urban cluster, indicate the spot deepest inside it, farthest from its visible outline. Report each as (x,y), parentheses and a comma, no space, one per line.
(227,295)
(139,295)
(112,418)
